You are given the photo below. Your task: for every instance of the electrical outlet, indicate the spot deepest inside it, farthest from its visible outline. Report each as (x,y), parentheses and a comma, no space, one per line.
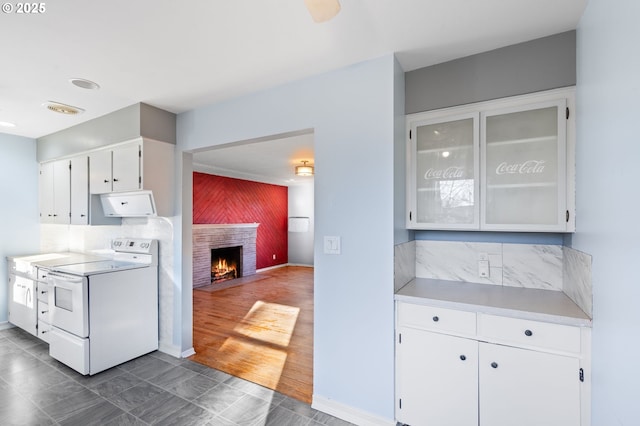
(483,268)
(274,257)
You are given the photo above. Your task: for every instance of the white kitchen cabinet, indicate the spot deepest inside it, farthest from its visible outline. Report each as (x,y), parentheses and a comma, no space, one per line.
(116,169)
(437,379)
(527,388)
(55,192)
(466,368)
(503,165)
(140,164)
(80,190)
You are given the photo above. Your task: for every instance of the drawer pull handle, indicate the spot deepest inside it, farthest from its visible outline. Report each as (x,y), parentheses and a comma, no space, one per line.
(528,333)
(436,319)
(44,312)
(494,365)
(43,292)
(463,357)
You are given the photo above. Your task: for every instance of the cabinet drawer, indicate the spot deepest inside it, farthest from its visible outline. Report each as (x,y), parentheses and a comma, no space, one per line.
(520,332)
(44,331)
(43,311)
(43,292)
(437,319)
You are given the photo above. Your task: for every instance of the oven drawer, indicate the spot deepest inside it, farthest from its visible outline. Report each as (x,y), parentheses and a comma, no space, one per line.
(70,350)
(437,319)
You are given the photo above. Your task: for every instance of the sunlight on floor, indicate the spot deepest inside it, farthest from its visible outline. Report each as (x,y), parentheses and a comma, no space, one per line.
(263,336)
(269,322)
(266,362)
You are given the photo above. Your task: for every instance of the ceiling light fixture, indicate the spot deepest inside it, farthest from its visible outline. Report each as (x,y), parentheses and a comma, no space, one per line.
(304,170)
(62,108)
(322,10)
(83,83)
(6,124)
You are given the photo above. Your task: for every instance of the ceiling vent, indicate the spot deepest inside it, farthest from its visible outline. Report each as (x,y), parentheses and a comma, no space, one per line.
(62,108)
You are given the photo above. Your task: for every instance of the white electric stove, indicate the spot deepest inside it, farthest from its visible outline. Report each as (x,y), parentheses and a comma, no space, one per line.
(104,313)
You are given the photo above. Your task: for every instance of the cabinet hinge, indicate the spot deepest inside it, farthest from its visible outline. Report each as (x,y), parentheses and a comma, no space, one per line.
(399,338)
(409,134)
(139,152)
(400,403)
(140,180)
(409,216)
(567,113)
(581,375)
(567,216)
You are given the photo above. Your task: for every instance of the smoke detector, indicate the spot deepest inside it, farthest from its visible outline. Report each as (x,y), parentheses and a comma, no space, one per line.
(62,108)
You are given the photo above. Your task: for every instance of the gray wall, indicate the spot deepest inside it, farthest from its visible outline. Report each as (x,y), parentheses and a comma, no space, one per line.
(122,125)
(541,64)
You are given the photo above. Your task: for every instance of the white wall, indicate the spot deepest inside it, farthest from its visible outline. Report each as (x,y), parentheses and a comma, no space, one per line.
(351,113)
(19,216)
(300,244)
(608,202)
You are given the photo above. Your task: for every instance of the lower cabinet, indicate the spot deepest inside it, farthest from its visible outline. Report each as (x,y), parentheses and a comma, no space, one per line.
(455,378)
(524,387)
(438,387)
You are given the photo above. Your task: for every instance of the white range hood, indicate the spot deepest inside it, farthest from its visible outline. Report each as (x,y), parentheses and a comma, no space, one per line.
(129,204)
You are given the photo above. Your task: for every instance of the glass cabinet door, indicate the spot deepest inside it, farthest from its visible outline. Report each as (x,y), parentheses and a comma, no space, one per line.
(523,153)
(445,160)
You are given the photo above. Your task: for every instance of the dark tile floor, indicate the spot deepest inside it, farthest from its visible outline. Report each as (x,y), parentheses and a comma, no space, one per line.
(157,389)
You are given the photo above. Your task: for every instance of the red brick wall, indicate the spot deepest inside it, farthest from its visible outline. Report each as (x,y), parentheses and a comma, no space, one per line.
(218,199)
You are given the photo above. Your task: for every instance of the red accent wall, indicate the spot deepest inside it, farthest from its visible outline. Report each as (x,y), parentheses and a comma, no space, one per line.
(218,199)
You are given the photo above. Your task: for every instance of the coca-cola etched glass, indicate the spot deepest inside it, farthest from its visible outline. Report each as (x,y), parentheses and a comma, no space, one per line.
(446,173)
(523,159)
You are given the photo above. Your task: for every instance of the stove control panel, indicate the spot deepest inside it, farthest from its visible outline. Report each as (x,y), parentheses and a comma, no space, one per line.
(135,245)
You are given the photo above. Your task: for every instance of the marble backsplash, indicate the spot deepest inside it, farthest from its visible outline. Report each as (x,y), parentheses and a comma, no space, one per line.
(537,266)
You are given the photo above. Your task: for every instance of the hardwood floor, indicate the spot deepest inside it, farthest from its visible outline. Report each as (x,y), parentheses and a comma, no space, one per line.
(261,331)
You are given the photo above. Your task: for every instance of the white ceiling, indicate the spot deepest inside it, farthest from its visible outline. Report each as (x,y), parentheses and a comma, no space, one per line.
(179,55)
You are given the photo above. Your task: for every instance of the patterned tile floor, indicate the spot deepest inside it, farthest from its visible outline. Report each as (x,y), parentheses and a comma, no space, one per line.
(155,389)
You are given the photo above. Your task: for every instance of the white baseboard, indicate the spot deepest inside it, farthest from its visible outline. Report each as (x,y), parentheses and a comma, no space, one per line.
(268,268)
(5,325)
(348,413)
(175,351)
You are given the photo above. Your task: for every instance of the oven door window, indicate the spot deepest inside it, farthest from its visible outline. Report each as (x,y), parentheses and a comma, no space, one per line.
(63,298)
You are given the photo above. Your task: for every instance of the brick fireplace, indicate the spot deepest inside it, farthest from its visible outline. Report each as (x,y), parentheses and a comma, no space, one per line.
(217,236)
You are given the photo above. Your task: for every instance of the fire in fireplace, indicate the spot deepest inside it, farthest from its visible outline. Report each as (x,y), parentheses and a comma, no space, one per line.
(226,263)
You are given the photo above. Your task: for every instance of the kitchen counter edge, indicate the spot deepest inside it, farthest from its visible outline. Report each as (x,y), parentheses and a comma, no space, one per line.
(523,303)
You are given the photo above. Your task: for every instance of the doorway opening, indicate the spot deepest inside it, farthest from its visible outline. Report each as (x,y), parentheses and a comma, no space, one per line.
(258,326)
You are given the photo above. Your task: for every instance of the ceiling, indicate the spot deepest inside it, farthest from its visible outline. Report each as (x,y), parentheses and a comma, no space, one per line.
(181,55)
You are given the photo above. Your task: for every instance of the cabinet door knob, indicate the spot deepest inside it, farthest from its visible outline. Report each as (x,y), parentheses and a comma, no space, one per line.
(106,181)
(463,357)
(494,365)
(43,292)
(436,319)
(528,333)
(115,180)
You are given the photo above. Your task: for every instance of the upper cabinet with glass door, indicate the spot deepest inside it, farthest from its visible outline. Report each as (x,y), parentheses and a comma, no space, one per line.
(504,165)
(445,178)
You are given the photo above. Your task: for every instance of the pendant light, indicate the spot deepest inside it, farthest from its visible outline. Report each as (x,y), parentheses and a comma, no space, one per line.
(304,170)
(322,10)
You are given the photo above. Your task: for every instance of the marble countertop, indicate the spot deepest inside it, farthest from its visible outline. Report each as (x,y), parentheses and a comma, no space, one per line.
(534,304)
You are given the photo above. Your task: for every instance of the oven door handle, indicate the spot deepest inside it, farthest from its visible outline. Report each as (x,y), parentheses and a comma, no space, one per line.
(56,279)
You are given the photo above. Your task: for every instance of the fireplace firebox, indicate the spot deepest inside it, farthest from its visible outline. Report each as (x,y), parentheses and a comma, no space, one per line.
(226,263)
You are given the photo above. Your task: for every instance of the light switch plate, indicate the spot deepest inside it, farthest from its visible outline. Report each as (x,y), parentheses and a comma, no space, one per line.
(331,245)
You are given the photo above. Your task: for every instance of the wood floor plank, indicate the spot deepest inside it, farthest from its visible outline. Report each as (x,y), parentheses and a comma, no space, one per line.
(261,331)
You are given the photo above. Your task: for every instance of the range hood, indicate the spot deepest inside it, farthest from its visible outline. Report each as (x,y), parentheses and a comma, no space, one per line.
(129,204)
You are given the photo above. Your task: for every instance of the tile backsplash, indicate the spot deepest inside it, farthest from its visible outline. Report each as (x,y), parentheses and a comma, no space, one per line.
(547,267)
